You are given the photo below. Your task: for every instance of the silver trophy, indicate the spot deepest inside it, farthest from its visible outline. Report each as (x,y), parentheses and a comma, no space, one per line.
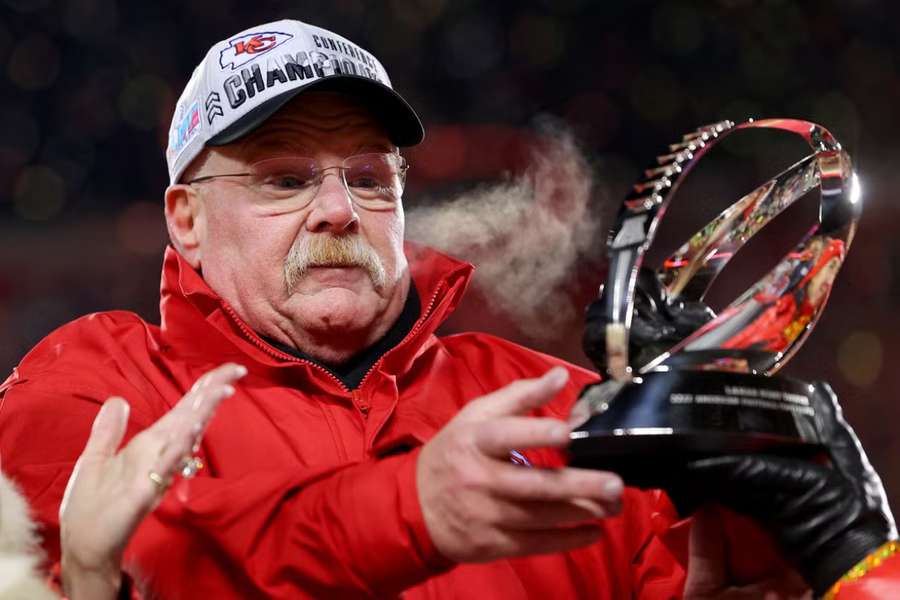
(716,391)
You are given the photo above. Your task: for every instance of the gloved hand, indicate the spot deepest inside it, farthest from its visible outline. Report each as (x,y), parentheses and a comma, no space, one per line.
(824,517)
(657,323)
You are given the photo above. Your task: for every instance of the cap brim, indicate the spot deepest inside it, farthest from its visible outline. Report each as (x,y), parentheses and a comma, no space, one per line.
(399,119)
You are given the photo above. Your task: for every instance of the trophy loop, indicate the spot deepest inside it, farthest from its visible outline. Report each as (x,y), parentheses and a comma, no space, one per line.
(715,391)
(746,324)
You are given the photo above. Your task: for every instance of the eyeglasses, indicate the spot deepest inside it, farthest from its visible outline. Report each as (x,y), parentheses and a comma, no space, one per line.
(374,181)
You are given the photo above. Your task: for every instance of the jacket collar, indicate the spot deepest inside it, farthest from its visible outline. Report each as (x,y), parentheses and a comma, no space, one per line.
(196,321)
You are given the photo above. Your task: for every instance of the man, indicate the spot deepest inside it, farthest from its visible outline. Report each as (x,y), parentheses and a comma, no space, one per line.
(360,455)
(317,481)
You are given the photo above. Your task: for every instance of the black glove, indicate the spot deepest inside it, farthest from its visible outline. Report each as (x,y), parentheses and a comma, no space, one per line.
(825,518)
(657,323)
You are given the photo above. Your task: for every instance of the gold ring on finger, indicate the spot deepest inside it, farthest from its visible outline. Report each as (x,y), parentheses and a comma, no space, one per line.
(157,479)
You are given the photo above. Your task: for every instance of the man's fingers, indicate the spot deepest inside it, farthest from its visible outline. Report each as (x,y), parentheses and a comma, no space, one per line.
(196,407)
(108,428)
(519,396)
(523,543)
(225,373)
(197,400)
(172,438)
(184,424)
(183,437)
(535,515)
(211,389)
(498,436)
(520,483)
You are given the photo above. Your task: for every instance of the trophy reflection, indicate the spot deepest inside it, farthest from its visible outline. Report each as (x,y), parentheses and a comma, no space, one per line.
(715,390)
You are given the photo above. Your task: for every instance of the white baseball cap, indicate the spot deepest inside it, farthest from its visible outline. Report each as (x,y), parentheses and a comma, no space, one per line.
(244,79)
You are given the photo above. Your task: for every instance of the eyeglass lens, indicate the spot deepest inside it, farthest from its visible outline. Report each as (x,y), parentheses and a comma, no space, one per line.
(372,179)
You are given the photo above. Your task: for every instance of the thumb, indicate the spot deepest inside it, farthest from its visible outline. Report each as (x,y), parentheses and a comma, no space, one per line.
(108,429)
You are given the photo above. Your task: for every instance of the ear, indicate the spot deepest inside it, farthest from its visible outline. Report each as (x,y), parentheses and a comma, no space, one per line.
(186,221)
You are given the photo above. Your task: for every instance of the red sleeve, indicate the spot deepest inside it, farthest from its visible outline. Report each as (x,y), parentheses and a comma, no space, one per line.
(352,531)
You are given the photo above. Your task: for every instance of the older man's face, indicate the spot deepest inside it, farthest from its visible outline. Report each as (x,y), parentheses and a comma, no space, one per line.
(329,278)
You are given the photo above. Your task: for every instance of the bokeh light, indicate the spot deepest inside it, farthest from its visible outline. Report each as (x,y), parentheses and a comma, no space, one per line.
(34,63)
(144,100)
(539,40)
(859,358)
(71,157)
(39,193)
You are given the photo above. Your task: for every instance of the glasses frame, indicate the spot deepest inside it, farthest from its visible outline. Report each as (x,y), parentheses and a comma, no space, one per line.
(403,165)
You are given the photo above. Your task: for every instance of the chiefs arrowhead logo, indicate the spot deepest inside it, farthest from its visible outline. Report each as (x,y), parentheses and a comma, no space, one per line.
(245,48)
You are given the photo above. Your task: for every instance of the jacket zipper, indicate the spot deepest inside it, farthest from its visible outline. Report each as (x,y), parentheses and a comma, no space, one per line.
(360,403)
(251,335)
(412,333)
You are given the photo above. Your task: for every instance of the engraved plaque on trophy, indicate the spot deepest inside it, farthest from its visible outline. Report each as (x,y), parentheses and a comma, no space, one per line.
(716,392)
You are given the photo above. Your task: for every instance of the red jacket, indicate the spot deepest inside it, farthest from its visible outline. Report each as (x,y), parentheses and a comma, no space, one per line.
(310,488)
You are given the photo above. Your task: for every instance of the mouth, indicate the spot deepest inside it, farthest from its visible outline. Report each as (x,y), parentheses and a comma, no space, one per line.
(333,266)
(334,274)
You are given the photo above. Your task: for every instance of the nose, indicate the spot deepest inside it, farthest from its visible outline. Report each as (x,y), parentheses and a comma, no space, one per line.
(332,208)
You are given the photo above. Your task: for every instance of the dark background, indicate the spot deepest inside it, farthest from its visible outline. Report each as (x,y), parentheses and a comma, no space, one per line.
(87,88)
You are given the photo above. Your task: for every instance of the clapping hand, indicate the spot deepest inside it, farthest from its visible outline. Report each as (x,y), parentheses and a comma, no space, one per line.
(110,492)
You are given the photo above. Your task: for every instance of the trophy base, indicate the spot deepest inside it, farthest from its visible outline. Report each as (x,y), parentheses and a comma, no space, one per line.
(652,428)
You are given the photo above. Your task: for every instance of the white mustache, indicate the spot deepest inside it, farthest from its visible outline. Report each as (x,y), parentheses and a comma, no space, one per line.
(325,250)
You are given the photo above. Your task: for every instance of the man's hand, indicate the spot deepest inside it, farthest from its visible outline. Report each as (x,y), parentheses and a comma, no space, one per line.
(110,492)
(478,506)
(710,577)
